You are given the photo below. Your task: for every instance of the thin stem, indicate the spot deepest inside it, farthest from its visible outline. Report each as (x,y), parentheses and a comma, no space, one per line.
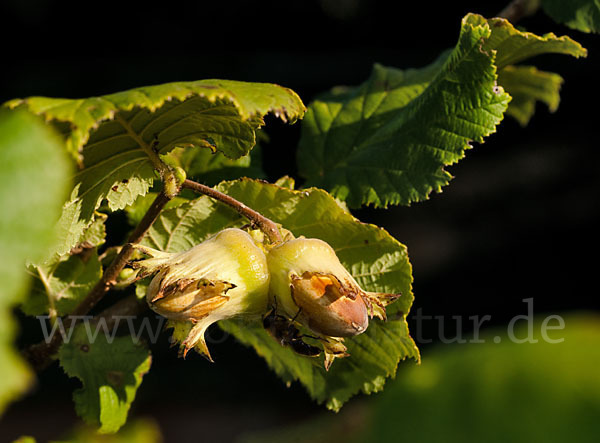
(266,225)
(39,354)
(518,9)
(51,306)
(112,272)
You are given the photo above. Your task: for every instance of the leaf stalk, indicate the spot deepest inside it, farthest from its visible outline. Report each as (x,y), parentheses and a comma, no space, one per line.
(266,225)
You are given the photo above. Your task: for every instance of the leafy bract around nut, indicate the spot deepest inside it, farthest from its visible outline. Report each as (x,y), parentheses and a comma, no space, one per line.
(313,288)
(225,276)
(376,260)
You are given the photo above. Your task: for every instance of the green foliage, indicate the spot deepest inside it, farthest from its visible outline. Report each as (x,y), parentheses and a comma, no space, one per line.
(60,286)
(387,141)
(517,392)
(377,261)
(218,114)
(136,431)
(110,370)
(513,46)
(583,15)
(33,183)
(526,85)
(111,135)
(511,385)
(211,168)
(135,212)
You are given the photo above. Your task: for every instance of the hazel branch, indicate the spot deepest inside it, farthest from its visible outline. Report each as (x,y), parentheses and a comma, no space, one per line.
(39,355)
(266,225)
(518,9)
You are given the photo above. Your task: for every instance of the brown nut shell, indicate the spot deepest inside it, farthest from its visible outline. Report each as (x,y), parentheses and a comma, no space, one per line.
(329,306)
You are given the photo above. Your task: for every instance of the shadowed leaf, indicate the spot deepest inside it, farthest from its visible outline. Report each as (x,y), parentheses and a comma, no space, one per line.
(111,372)
(583,15)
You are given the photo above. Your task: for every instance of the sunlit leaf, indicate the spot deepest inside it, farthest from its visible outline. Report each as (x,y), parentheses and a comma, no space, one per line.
(526,84)
(389,140)
(110,135)
(377,261)
(512,45)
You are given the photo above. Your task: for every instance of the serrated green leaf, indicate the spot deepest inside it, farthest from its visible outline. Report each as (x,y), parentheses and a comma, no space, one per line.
(212,168)
(526,85)
(59,287)
(202,161)
(110,372)
(513,46)
(220,114)
(62,282)
(95,234)
(377,261)
(286,182)
(583,15)
(33,168)
(387,141)
(136,211)
(107,134)
(119,183)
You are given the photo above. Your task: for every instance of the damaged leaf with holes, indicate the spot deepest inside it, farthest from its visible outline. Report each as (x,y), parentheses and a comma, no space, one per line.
(109,136)
(110,370)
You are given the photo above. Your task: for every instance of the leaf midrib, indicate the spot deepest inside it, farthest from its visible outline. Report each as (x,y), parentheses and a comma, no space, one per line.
(403,130)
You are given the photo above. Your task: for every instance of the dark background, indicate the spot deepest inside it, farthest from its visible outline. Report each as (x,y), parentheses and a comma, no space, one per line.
(518,221)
